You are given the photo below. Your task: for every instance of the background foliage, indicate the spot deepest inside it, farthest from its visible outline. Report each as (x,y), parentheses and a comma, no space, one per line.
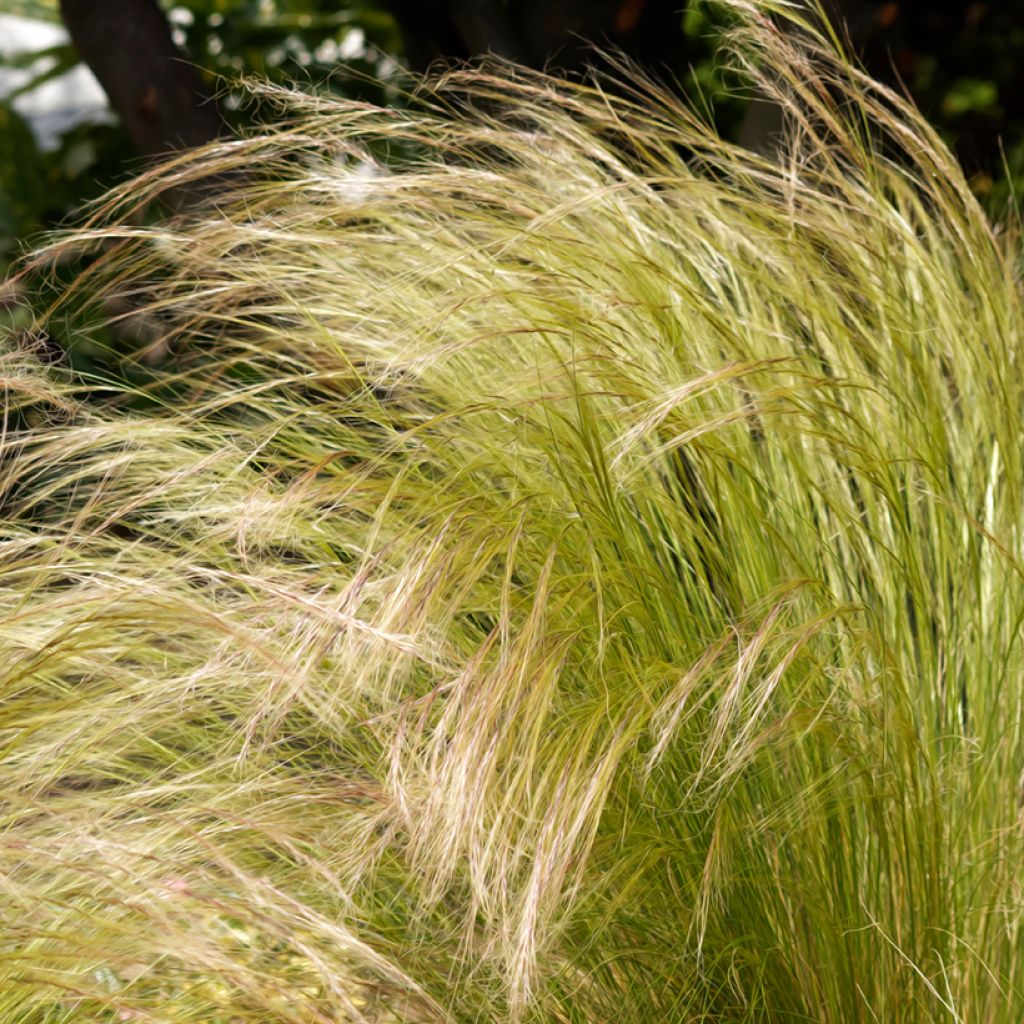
(961,62)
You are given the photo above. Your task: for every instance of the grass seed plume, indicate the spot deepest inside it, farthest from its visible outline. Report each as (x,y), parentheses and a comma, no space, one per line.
(571,574)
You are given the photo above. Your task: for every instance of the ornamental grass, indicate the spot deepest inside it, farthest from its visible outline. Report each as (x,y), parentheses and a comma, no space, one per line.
(565,568)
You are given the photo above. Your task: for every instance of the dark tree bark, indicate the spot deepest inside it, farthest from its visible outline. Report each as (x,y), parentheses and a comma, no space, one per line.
(159,97)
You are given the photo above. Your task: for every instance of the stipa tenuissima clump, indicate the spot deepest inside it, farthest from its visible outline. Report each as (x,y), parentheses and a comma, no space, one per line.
(575,576)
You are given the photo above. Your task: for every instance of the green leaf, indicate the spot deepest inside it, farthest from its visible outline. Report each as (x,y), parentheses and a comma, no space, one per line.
(969,94)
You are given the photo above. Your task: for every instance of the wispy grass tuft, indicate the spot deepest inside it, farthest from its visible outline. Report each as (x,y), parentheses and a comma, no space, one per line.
(575,574)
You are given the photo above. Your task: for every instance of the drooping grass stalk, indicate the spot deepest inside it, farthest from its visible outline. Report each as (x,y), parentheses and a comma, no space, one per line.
(573,576)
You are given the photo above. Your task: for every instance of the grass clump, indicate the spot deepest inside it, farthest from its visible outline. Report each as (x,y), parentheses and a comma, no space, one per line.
(574,577)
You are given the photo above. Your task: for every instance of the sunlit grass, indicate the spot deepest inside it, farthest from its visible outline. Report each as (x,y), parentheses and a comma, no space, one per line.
(574,576)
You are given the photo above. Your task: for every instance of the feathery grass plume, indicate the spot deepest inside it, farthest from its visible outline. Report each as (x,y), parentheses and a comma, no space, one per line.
(574,575)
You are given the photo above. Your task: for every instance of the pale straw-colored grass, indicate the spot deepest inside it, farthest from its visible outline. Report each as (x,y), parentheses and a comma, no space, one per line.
(575,574)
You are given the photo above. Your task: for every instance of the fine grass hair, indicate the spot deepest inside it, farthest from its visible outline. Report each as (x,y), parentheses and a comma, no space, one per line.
(569,571)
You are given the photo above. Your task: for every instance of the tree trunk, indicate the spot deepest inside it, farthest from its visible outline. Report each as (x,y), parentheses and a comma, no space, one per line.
(159,97)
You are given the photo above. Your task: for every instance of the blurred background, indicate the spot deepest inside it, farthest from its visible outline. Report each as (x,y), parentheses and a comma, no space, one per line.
(91,89)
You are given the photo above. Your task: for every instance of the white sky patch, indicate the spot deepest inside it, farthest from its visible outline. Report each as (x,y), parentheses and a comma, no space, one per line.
(59,104)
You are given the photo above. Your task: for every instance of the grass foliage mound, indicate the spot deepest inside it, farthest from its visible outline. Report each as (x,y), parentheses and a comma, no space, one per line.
(576,575)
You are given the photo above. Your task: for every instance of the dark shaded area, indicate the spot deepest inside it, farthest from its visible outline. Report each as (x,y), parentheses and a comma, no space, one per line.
(553,34)
(964,65)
